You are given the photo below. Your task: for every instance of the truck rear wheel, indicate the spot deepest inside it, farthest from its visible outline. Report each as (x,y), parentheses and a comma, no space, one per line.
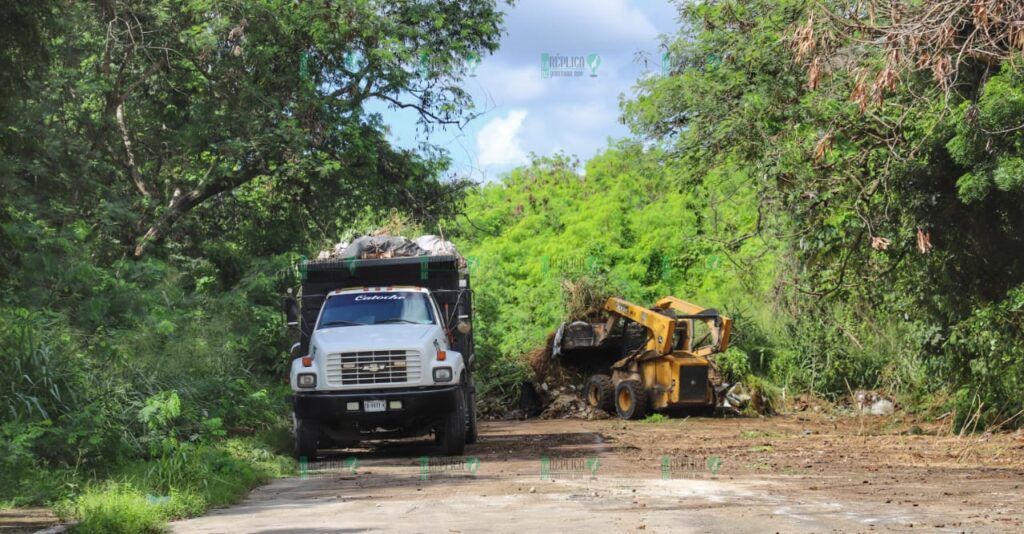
(601,393)
(452,434)
(470,415)
(306,434)
(630,399)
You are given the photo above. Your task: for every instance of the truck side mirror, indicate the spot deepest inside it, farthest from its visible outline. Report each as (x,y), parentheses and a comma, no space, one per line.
(291,310)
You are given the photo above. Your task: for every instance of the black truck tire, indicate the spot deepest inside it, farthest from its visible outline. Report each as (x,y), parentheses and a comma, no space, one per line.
(471,433)
(631,399)
(306,434)
(452,433)
(601,393)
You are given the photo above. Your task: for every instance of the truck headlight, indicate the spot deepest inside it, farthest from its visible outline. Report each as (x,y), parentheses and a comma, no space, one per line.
(443,374)
(306,380)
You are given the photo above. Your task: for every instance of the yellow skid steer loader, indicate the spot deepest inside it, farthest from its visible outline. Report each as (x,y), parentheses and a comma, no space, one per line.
(643,359)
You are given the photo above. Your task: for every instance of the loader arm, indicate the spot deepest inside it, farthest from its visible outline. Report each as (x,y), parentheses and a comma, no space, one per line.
(659,327)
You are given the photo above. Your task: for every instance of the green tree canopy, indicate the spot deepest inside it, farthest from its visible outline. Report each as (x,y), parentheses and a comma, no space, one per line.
(140,113)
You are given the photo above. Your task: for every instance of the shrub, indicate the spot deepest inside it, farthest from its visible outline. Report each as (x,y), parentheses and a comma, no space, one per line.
(115,508)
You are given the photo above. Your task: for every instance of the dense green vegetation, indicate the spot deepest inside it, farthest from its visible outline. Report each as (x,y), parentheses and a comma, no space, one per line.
(624,226)
(847,185)
(164,164)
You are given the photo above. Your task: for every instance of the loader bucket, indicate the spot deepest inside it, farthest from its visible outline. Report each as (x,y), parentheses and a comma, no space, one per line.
(586,347)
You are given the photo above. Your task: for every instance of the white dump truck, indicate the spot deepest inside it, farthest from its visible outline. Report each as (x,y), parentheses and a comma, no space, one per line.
(385,351)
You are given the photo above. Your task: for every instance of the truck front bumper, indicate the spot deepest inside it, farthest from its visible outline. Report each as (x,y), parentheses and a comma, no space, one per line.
(414,404)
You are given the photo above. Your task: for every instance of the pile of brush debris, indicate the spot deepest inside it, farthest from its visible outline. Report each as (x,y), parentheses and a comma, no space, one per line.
(555,392)
(386,246)
(566,402)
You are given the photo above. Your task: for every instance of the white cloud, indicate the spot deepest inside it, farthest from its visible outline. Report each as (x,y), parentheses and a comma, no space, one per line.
(498,143)
(503,85)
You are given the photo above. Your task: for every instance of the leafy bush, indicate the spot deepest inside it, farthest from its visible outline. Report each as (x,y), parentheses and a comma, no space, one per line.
(158,382)
(984,354)
(735,365)
(185,481)
(117,508)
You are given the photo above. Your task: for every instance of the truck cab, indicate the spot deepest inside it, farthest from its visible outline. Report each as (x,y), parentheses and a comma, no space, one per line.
(384,361)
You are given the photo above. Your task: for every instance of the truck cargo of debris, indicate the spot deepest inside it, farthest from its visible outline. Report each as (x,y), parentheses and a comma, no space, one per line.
(385,246)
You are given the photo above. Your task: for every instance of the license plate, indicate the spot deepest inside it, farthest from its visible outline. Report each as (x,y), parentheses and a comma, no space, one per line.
(373,405)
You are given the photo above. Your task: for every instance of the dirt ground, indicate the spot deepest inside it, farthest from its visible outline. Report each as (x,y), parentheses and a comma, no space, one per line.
(807,472)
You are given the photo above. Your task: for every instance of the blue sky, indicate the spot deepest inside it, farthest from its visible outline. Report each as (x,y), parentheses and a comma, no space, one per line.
(524,112)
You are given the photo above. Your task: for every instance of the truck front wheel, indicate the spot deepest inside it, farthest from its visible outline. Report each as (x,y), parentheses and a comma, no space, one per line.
(452,433)
(306,433)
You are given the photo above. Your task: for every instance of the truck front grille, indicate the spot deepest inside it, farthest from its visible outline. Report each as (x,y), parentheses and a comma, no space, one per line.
(373,367)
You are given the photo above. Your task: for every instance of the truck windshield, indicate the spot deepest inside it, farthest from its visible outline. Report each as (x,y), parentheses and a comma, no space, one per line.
(397,307)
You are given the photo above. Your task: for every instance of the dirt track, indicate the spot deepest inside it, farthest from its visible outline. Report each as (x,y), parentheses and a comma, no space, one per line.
(800,473)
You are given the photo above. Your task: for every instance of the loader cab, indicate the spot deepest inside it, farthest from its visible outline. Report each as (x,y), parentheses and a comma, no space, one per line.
(681,336)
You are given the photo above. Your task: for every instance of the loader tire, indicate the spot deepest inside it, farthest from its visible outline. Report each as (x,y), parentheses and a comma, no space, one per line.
(601,393)
(630,399)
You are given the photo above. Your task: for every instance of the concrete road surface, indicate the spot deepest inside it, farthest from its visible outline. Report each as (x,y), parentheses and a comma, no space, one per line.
(798,473)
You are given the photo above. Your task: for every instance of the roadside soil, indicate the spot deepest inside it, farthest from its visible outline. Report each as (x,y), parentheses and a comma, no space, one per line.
(803,472)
